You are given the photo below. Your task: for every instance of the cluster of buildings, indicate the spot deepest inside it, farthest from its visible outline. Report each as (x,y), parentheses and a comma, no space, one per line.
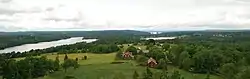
(150,63)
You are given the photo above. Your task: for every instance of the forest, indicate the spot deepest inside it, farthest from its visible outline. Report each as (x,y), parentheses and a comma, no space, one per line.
(223,54)
(10,39)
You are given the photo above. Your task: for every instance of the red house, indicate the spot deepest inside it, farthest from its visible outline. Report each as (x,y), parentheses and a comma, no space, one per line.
(152,62)
(127,55)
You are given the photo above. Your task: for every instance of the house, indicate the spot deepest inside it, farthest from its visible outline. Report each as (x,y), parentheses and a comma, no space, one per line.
(152,62)
(127,55)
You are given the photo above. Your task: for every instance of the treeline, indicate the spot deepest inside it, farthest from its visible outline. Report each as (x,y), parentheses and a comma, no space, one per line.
(10,39)
(64,49)
(15,40)
(211,55)
(28,68)
(34,67)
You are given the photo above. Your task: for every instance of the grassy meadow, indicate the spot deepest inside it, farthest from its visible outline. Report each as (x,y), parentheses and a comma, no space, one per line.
(98,66)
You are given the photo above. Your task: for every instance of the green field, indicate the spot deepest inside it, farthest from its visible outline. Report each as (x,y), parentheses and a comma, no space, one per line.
(98,66)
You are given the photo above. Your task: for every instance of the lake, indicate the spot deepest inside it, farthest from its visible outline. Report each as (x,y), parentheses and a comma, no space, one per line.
(159,38)
(43,45)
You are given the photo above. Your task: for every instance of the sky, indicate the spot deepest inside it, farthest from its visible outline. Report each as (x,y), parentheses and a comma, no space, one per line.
(158,15)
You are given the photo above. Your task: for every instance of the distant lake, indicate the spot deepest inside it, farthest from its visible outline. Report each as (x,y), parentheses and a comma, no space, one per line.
(159,38)
(43,45)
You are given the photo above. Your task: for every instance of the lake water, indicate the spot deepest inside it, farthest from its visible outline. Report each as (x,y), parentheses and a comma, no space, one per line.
(43,45)
(159,38)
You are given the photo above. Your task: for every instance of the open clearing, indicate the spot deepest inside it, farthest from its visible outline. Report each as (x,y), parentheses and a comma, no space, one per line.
(98,66)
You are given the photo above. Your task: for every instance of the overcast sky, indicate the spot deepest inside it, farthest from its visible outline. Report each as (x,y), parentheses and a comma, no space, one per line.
(164,15)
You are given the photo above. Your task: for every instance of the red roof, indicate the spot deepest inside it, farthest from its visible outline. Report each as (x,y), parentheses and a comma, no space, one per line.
(152,60)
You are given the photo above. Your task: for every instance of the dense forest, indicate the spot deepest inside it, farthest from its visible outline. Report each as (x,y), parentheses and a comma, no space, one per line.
(10,39)
(225,54)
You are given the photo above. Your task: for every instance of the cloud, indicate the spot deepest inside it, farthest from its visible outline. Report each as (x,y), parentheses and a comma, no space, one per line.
(5,1)
(124,14)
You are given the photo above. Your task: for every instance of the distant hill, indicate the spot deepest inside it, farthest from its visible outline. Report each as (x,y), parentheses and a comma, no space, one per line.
(80,33)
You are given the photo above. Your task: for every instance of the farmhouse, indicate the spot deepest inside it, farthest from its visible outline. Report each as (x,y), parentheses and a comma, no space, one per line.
(127,55)
(152,62)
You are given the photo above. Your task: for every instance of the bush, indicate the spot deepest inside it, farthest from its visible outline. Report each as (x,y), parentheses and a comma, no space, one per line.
(142,60)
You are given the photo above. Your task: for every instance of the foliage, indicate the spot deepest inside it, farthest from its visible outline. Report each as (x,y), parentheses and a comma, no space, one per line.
(207,61)
(148,74)
(156,53)
(175,75)
(132,49)
(135,75)
(162,64)
(142,60)
(244,74)
(229,70)
(166,46)
(28,68)
(69,63)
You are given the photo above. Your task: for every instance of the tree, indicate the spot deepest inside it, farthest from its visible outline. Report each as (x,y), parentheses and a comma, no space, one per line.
(28,68)
(229,70)
(207,61)
(176,50)
(244,74)
(208,76)
(57,63)
(10,70)
(164,74)
(156,53)
(176,75)
(166,46)
(66,57)
(151,41)
(185,61)
(75,64)
(135,75)
(67,64)
(148,74)
(162,64)
(142,60)
(119,55)
(132,49)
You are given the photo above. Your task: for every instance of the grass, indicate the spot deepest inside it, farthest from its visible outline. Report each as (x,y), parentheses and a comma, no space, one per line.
(92,58)
(98,66)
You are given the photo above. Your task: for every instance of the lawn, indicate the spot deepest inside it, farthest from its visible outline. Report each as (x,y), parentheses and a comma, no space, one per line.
(98,66)
(92,58)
